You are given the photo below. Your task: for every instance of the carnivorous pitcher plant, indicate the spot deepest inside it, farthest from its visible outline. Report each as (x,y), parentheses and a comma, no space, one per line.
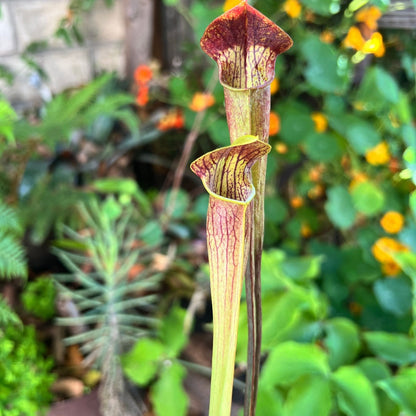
(245,44)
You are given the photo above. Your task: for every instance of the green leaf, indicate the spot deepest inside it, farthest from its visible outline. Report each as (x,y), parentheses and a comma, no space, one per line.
(218,130)
(325,70)
(323,7)
(394,348)
(269,401)
(374,369)
(401,389)
(311,395)
(151,234)
(170,2)
(368,198)
(377,90)
(342,341)
(362,136)
(290,361)
(275,210)
(142,362)
(296,122)
(355,394)
(322,147)
(302,268)
(167,393)
(180,201)
(172,332)
(394,295)
(339,207)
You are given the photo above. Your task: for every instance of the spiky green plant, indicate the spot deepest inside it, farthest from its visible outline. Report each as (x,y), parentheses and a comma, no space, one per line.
(113,310)
(12,255)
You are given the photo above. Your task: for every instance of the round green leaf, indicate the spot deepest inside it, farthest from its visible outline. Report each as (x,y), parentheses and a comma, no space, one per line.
(401,389)
(311,395)
(362,136)
(167,393)
(290,361)
(342,341)
(394,348)
(374,369)
(339,207)
(355,393)
(368,198)
(322,147)
(142,362)
(296,122)
(394,295)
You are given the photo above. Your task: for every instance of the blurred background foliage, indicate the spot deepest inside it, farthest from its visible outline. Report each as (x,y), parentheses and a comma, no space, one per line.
(95,189)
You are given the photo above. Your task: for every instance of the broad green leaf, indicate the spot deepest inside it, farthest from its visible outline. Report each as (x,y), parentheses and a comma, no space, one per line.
(394,348)
(368,198)
(339,207)
(177,203)
(401,389)
(394,295)
(142,362)
(269,401)
(167,393)
(377,90)
(296,122)
(342,341)
(311,395)
(355,394)
(172,332)
(275,209)
(302,268)
(218,130)
(322,147)
(325,70)
(179,91)
(374,369)
(151,233)
(290,361)
(360,134)
(323,7)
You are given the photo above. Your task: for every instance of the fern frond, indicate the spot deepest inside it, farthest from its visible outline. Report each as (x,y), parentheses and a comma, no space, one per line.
(9,220)
(12,258)
(7,316)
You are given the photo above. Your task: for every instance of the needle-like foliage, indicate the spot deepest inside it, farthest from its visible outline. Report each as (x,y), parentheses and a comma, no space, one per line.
(113,306)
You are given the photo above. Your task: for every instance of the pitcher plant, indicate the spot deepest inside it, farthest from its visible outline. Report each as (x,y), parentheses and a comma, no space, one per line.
(245,44)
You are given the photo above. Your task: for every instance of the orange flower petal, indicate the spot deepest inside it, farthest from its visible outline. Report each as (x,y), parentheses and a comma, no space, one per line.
(392,222)
(143,74)
(274,127)
(201,101)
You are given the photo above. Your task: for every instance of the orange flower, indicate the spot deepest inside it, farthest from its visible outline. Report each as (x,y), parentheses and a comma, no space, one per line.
(274,124)
(392,222)
(143,74)
(390,268)
(378,155)
(321,122)
(172,120)
(229,4)
(316,172)
(201,101)
(296,202)
(142,97)
(281,148)
(292,8)
(374,45)
(369,16)
(385,247)
(354,39)
(274,86)
(327,37)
